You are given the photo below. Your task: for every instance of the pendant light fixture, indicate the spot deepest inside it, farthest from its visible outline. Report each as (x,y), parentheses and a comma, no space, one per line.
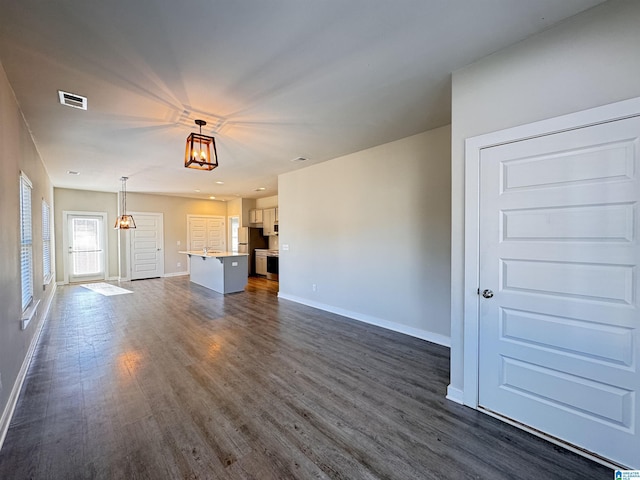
(124,221)
(200,152)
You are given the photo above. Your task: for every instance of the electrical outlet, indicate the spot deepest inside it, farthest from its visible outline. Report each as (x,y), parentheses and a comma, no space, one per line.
(314,287)
(179,264)
(178,243)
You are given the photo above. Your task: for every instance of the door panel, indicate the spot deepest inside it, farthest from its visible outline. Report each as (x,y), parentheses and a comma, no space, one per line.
(207,231)
(147,256)
(559,340)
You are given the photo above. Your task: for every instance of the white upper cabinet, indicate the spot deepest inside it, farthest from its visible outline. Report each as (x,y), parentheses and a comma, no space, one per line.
(255,216)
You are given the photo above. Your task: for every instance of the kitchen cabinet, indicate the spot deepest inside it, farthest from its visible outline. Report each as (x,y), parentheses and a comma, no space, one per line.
(255,216)
(268,221)
(261,263)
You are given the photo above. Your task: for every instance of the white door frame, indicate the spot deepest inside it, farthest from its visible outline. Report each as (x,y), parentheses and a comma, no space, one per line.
(473,146)
(65,240)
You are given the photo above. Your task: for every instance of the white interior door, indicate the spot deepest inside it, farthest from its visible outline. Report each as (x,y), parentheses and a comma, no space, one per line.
(85,243)
(206,231)
(147,255)
(560,338)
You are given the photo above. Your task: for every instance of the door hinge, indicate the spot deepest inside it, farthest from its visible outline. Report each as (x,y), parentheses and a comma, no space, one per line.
(478,292)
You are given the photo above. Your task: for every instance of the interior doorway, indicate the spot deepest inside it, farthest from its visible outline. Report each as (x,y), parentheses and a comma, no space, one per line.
(234,227)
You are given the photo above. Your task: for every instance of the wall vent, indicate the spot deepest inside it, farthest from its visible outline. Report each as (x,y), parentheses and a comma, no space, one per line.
(72,100)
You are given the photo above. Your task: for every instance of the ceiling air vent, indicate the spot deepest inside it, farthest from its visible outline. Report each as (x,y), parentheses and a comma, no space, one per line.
(72,100)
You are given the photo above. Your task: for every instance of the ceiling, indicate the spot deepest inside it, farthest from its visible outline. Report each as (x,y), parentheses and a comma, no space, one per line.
(275,80)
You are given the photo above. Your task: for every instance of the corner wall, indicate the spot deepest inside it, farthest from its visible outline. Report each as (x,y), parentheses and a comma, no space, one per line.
(18,153)
(371,231)
(589,60)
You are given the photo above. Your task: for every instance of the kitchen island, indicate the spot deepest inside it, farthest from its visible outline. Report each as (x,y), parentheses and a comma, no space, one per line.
(222,272)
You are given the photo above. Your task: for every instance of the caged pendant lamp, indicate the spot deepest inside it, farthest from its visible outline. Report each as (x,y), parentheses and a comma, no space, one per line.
(124,221)
(200,152)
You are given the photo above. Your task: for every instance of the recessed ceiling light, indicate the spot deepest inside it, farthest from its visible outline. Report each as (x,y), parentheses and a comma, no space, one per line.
(299,159)
(220,183)
(71,172)
(212,198)
(260,189)
(197,190)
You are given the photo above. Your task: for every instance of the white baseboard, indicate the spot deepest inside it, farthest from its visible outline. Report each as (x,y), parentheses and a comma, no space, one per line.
(176,274)
(5,420)
(455,395)
(396,327)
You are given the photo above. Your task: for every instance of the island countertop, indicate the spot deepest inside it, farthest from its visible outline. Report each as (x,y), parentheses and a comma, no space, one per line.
(222,272)
(213,253)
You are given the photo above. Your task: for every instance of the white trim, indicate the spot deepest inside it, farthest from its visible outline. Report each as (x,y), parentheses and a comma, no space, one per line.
(396,327)
(473,146)
(454,394)
(175,274)
(30,312)
(65,241)
(7,414)
(26,179)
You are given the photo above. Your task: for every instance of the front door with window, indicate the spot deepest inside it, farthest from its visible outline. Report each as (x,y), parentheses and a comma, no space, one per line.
(85,247)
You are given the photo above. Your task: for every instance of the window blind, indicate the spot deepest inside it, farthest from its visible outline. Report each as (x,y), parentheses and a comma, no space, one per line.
(46,242)
(26,242)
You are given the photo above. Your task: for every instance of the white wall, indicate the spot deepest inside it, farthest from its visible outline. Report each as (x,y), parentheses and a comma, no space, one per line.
(18,153)
(590,60)
(372,231)
(267,202)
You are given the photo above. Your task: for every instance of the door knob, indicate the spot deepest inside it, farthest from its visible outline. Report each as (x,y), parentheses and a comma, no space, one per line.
(487,293)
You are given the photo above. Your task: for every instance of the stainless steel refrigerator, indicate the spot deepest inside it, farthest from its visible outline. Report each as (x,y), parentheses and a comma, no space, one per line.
(249,239)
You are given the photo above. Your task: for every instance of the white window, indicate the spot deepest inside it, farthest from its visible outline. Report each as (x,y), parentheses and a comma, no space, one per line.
(46,243)
(26,242)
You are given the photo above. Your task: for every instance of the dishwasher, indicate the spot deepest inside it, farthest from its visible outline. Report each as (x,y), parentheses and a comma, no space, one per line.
(272,266)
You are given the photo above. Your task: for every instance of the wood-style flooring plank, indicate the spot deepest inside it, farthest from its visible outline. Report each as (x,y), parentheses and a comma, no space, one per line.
(175,381)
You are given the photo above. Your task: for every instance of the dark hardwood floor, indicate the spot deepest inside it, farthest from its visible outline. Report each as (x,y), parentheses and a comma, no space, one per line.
(177,382)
